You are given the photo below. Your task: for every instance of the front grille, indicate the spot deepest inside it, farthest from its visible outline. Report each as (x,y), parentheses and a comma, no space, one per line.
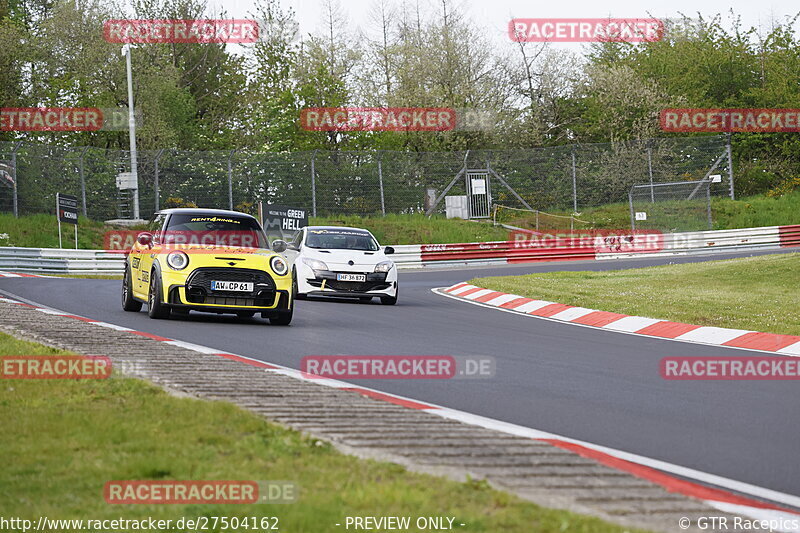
(213,300)
(198,287)
(375,281)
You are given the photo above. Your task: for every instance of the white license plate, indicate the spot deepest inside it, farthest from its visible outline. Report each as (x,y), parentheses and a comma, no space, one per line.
(238,286)
(351,277)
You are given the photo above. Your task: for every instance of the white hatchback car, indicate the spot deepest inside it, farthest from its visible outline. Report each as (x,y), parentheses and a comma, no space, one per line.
(342,262)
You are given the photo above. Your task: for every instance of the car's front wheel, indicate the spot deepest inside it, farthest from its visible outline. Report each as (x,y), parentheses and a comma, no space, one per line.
(128,302)
(391,300)
(295,289)
(281,318)
(156,307)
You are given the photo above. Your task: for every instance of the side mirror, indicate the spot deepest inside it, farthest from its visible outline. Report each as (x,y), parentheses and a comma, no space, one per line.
(145,239)
(279,246)
(388,250)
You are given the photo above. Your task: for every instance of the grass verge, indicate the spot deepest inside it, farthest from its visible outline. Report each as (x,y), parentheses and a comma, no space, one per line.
(41,231)
(755,293)
(63,439)
(750,212)
(418,229)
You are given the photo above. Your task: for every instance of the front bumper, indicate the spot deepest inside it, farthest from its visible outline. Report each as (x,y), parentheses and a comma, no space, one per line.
(324,283)
(193,291)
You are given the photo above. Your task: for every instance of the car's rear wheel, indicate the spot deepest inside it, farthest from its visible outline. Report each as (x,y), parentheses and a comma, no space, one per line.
(156,307)
(128,302)
(391,300)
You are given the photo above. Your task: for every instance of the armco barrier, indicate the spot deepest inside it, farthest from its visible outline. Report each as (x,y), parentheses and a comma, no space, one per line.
(60,261)
(65,261)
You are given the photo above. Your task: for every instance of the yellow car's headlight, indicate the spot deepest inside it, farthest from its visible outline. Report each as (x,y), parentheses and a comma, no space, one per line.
(279,265)
(177,260)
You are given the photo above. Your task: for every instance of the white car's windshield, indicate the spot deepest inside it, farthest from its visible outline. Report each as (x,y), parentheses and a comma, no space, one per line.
(341,240)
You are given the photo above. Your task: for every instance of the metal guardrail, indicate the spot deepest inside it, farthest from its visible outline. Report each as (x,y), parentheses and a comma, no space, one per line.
(66,261)
(60,261)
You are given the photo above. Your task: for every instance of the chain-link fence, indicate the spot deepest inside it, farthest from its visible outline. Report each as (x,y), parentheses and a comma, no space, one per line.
(672,207)
(556,179)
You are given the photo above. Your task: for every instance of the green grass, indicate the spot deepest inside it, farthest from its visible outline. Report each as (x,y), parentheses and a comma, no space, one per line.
(755,293)
(63,439)
(41,231)
(751,212)
(418,229)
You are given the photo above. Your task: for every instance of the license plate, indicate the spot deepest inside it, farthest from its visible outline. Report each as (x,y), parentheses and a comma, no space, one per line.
(237,286)
(351,277)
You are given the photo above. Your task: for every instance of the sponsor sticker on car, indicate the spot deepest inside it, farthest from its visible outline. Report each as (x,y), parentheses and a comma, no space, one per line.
(240,286)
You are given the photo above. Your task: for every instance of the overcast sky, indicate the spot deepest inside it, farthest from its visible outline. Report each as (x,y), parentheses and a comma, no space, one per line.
(495,14)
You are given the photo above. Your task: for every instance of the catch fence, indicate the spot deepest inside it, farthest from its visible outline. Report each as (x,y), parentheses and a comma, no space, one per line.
(563,179)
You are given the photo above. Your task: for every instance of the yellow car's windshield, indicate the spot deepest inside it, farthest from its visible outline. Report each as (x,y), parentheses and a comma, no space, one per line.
(215,230)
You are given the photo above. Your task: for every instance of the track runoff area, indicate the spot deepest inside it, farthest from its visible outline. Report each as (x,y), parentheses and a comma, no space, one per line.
(444,326)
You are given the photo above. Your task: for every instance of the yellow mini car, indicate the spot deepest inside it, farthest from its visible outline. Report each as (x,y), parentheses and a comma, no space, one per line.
(208,260)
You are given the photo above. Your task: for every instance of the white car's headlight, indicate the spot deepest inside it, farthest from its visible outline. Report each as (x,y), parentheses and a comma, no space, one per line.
(279,266)
(384,266)
(315,264)
(177,260)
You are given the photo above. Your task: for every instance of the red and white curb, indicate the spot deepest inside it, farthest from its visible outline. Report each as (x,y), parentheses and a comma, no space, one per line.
(725,494)
(4,274)
(638,325)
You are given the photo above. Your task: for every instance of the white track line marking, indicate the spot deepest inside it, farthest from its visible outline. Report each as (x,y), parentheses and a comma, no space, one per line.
(51,312)
(111,326)
(195,347)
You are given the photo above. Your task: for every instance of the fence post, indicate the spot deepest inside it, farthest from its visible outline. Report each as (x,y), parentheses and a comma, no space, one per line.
(630,203)
(650,170)
(574,184)
(313,185)
(230,180)
(156,190)
(708,206)
(380,181)
(730,165)
(14,174)
(83,180)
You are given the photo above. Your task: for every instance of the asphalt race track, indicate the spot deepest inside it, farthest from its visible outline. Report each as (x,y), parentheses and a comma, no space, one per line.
(598,386)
